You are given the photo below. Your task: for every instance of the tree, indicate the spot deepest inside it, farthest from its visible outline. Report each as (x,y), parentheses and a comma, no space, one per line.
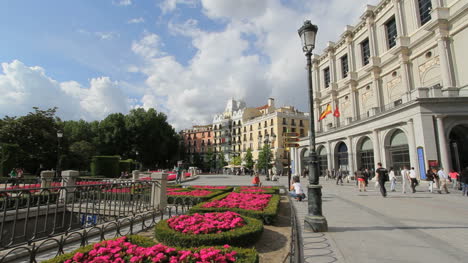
(264,158)
(221,161)
(248,159)
(236,160)
(81,152)
(210,160)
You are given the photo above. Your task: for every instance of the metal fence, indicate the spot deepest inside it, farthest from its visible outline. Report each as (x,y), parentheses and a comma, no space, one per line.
(34,219)
(296,247)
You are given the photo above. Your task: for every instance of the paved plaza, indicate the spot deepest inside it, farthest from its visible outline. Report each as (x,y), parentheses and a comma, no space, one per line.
(365,227)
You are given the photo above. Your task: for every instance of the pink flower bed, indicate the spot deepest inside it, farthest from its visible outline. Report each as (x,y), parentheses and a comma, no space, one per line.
(91,182)
(33,188)
(241,200)
(171,177)
(121,251)
(248,190)
(208,187)
(206,223)
(255,187)
(190,193)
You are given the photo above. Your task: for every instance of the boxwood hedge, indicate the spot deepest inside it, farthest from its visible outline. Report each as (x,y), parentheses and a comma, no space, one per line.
(272,190)
(268,214)
(188,199)
(244,255)
(241,236)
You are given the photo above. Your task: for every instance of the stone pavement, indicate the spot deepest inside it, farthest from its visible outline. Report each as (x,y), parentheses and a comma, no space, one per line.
(365,227)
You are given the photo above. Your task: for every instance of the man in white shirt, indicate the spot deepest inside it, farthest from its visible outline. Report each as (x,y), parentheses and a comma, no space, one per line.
(443,177)
(414,179)
(404,179)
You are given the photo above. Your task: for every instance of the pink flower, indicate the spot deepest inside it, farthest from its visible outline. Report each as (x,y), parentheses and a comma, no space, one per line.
(242,200)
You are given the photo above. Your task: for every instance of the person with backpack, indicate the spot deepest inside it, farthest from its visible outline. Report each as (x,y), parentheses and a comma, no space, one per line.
(430,178)
(382,177)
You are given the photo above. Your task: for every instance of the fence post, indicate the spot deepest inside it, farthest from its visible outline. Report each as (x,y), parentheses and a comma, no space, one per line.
(46,178)
(68,184)
(159,191)
(135,175)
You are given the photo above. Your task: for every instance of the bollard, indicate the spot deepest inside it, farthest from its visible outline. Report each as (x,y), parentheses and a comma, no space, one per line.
(47,178)
(69,185)
(159,192)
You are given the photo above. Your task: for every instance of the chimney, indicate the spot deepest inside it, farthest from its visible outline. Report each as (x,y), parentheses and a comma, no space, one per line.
(271,102)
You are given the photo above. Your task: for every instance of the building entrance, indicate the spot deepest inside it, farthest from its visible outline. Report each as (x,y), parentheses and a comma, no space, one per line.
(399,151)
(459,147)
(342,157)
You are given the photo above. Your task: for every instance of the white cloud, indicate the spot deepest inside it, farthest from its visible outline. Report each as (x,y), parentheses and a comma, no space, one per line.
(122,2)
(137,20)
(107,35)
(256,56)
(149,46)
(24,87)
(170,5)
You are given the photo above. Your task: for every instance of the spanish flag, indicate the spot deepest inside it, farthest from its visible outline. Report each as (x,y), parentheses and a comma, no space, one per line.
(327,111)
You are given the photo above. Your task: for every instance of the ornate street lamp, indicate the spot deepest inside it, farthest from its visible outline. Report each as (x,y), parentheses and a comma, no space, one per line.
(59,138)
(314,220)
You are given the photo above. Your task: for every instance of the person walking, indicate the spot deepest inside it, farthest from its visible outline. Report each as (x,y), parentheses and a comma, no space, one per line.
(392,177)
(327,175)
(339,176)
(382,176)
(405,180)
(179,174)
(414,179)
(256,180)
(366,175)
(361,181)
(13,177)
(464,181)
(454,176)
(430,178)
(296,189)
(443,177)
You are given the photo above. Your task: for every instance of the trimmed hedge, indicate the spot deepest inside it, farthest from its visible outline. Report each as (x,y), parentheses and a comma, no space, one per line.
(107,166)
(126,165)
(244,255)
(273,190)
(227,189)
(185,199)
(242,236)
(268,214)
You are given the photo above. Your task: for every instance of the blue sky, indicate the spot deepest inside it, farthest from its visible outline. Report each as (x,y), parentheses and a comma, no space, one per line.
(183,57)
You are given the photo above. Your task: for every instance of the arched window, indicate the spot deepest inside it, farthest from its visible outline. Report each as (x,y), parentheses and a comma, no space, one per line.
(399,151)
(322,160)
(366,154)
(342,156)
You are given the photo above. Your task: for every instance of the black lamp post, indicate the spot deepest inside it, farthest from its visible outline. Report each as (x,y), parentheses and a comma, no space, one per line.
(314,221)
(59,138)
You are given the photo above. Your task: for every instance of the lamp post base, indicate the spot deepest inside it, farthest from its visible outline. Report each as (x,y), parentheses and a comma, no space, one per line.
(314,220)
(316,223)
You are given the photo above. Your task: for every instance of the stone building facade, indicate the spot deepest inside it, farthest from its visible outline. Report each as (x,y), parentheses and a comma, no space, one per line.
(198,140)
(400,81)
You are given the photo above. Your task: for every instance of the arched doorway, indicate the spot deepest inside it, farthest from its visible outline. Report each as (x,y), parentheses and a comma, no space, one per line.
(399,151)
(322,160)
(305,159)
(459,146)
(341,156)
(365,155)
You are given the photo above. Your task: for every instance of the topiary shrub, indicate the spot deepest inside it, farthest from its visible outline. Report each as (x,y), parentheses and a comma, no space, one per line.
(125,166)
(242,236)
(243,255)
(107,166)
(268,214)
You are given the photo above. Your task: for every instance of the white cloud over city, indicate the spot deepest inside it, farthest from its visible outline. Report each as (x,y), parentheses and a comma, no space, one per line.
(255,55)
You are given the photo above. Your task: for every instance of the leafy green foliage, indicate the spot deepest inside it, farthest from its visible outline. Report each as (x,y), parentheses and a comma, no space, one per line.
(107,166)
(242,236)
(248,159)
(264,158)
(236,160)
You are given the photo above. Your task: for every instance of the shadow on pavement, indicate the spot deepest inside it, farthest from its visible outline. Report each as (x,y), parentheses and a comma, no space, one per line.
(390,228)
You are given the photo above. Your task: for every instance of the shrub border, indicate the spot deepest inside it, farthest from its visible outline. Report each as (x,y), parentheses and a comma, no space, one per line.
(241,236)
(244,255)
(173,199)
(270,191)
(227,189)
(268,214)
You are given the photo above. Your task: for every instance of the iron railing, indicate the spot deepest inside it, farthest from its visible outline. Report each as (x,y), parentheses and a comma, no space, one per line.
(296,246)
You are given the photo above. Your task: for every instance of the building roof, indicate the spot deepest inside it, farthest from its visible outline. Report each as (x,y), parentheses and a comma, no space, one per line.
(263,107)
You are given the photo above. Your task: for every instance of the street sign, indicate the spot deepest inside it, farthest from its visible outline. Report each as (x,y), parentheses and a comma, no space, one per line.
(291,145)
(291,139)
(291,134)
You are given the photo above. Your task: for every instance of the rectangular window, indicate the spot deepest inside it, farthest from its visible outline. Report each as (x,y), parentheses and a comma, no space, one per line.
(293,122)
(293,130)
(251,137)
(425,7)
(365,51)
(344,66)
(302,133)
(326,76)
(284,121)
(301,123)
(284,130)
(271,122)
(272,131)
(392,33)
(266,124)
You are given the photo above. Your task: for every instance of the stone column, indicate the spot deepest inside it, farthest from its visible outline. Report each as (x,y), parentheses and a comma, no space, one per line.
(351,166)
(446,65)
(412,146)
(376,89)
(371,29)
(68,183)
(444,154)
(46,178)
(329,156)
(159,191)
(376,144)
(399,16)
(405,66)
